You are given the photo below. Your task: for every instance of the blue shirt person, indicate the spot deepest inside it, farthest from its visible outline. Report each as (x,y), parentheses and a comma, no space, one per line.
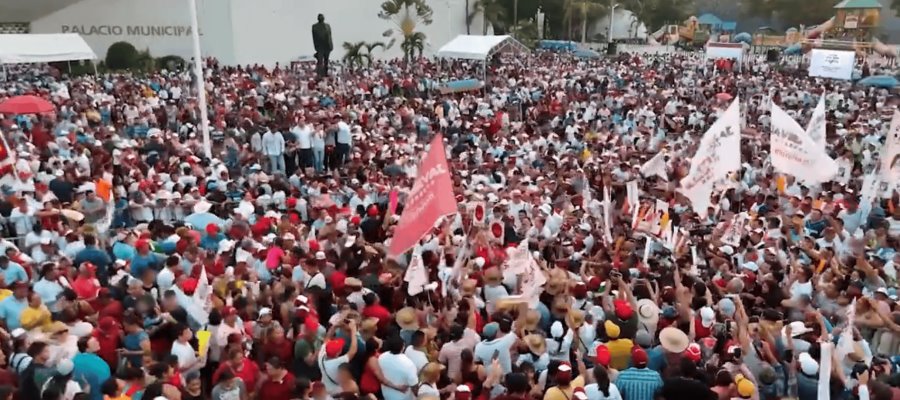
(11,272)
(11,307)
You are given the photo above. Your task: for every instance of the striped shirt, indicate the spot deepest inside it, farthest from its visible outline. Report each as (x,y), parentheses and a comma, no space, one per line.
(638,383)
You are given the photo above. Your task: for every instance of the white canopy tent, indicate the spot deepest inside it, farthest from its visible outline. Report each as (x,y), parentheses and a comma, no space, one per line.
(41,48)
(472,47)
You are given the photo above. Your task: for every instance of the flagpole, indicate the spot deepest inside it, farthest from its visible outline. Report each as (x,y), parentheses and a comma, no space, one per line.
(198,72)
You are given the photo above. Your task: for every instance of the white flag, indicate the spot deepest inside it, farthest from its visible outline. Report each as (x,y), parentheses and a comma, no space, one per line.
(656,166)
(868,194)
(816,128)
(719,154)
(795,153)
(890,154)
(415,275)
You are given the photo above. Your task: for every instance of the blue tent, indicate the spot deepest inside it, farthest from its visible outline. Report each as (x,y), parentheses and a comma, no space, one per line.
(743,37)
(881,81)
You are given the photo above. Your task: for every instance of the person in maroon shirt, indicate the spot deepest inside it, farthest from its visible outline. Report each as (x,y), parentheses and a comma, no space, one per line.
(278,383)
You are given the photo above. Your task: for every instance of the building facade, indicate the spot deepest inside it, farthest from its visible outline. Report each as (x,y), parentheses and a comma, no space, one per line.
(238,31)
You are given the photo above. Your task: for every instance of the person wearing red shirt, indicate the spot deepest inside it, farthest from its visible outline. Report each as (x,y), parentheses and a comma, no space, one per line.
(276,345)
(240,366)
(374,309)
(109,337)
(107,306)
(86,285)
(279,382)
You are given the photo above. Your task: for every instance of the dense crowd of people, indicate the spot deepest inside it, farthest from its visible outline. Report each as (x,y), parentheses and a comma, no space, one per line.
(136,267)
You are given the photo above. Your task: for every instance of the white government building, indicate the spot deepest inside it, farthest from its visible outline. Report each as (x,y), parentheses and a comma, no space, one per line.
(234,31)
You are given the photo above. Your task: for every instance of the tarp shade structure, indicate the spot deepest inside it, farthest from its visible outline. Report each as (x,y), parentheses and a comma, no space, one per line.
(472,47)
(41,48)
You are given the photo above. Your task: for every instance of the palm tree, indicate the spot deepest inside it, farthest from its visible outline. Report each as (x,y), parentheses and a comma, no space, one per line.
(353,55)
(407,15)
(587,11)
(370,47)
(492,12)
(413,45)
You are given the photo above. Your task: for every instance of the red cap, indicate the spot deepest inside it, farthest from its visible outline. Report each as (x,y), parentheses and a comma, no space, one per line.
(355,220)
(603,357)
(142,244)
(749,277)
(580,291)
(108,324)
(291,202)
(693,352)
(188,286)
(313,245)
(623,309)
(229,311)
(463,392)
(334,347)
(212,229)
(372,211)
(593,284)
(639,357)
(311,323)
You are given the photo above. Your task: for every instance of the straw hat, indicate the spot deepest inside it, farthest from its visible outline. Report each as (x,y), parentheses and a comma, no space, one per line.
(407,319)
(648,312)
(858,354)
(467,288)
(673,340)
(556,286)
(432,371)
(492,276)
(369,325)
(536,344)
(532,319)
(575,318)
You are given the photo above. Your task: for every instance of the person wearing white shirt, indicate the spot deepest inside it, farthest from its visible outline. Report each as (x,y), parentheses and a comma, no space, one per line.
(415,353)
(330,358)
(398,369)
(273,147)
(304,134)
(343,142)
(187,356)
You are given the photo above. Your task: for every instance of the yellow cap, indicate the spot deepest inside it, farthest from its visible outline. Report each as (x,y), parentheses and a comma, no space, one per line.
(745,387)
(612,330)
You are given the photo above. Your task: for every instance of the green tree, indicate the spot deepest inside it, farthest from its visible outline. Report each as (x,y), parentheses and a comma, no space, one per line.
(792,12)
(657,13)
(121,55)
(370,48)
(413,45)
(493,12)
(407,15)
(585,11)
(353,55)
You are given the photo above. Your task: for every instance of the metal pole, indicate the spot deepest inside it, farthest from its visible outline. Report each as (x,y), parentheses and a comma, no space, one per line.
(609,33)
(201,86)
(516,18)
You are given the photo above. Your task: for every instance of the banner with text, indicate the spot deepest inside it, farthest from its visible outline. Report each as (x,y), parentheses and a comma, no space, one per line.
(795,153)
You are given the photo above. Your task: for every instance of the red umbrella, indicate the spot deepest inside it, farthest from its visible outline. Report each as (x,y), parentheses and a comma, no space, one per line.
(26,105)
(724,96)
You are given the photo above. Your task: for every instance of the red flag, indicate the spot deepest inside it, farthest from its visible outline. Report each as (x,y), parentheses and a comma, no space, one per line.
(430,199)
(7,161)
(392,201)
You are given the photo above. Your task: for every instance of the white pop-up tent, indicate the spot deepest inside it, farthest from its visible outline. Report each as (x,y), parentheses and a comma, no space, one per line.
(473,47)
(41,48)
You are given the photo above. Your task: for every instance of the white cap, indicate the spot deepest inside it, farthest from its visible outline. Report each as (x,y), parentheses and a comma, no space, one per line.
(265,311)
(320,255)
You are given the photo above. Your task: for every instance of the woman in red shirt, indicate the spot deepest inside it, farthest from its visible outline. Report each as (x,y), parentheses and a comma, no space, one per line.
(276,345)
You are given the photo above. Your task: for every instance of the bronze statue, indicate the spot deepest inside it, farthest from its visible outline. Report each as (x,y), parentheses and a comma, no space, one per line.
(321,36)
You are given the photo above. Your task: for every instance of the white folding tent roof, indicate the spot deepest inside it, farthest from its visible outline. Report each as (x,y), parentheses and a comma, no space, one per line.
(472,47)
(40,48)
